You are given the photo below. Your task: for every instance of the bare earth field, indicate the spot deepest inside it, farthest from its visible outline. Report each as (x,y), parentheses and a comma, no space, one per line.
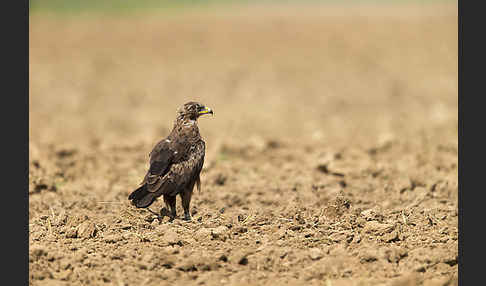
(331,158)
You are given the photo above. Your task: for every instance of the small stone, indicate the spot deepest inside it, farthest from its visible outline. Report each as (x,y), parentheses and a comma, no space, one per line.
(243,261)
(371,214)
(420,268)
(143,265)
(219,233)
(240,257)
(390,237)
(72,233)
(113,238)
(202,234)
(315,253)
(367,256)
(65,264)
(171,237)
(376,228)
(86,229)
(125,226)
(187,267)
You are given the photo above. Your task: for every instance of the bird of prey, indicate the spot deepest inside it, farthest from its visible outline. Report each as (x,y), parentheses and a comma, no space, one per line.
(175,163)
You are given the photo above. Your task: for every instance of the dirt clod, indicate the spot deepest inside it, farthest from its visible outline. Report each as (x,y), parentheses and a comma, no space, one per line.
(220,233)
(86,229)
(315,253)
(72,233)
(376,228)
(112,238)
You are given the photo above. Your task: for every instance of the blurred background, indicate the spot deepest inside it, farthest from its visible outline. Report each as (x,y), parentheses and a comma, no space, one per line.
(330,72)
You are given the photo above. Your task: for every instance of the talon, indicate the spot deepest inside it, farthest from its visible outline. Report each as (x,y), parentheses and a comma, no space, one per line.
(164,212)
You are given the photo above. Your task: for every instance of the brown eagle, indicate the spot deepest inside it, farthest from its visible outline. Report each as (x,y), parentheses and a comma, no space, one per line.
(175,163)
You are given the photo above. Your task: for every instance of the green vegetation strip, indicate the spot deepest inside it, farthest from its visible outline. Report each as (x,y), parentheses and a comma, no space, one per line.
(129,6)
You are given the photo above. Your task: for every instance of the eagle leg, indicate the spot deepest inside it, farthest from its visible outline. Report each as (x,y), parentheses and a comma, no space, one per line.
(170,202)
(186,201)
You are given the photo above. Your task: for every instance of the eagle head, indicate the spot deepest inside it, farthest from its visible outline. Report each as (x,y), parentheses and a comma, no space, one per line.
(192,110)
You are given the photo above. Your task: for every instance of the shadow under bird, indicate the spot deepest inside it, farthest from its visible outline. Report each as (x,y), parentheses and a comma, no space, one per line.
(175,163)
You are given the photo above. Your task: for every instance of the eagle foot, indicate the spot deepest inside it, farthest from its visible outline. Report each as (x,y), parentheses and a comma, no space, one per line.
(164,212)
(157,216)
(187,217)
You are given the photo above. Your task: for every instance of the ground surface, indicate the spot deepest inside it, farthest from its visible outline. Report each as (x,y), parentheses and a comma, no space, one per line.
(331,158)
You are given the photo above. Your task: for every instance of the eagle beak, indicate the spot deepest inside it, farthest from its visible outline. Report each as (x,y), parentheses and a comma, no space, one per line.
(206,110)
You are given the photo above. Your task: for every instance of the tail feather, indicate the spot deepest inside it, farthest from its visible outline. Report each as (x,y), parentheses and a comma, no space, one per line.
(142,198)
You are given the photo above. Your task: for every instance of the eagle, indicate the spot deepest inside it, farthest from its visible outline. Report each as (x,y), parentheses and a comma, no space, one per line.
(175,163)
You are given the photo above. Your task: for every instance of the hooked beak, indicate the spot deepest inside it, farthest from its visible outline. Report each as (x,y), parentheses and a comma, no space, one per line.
(206,110)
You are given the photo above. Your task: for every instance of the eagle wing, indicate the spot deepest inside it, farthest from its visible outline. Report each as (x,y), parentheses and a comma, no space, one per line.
(184,172)
(174,166)
(161,159)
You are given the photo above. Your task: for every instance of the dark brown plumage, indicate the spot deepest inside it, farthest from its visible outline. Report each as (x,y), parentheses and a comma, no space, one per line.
(175,163)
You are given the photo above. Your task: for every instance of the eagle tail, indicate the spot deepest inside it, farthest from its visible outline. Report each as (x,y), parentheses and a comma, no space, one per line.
(141,197)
